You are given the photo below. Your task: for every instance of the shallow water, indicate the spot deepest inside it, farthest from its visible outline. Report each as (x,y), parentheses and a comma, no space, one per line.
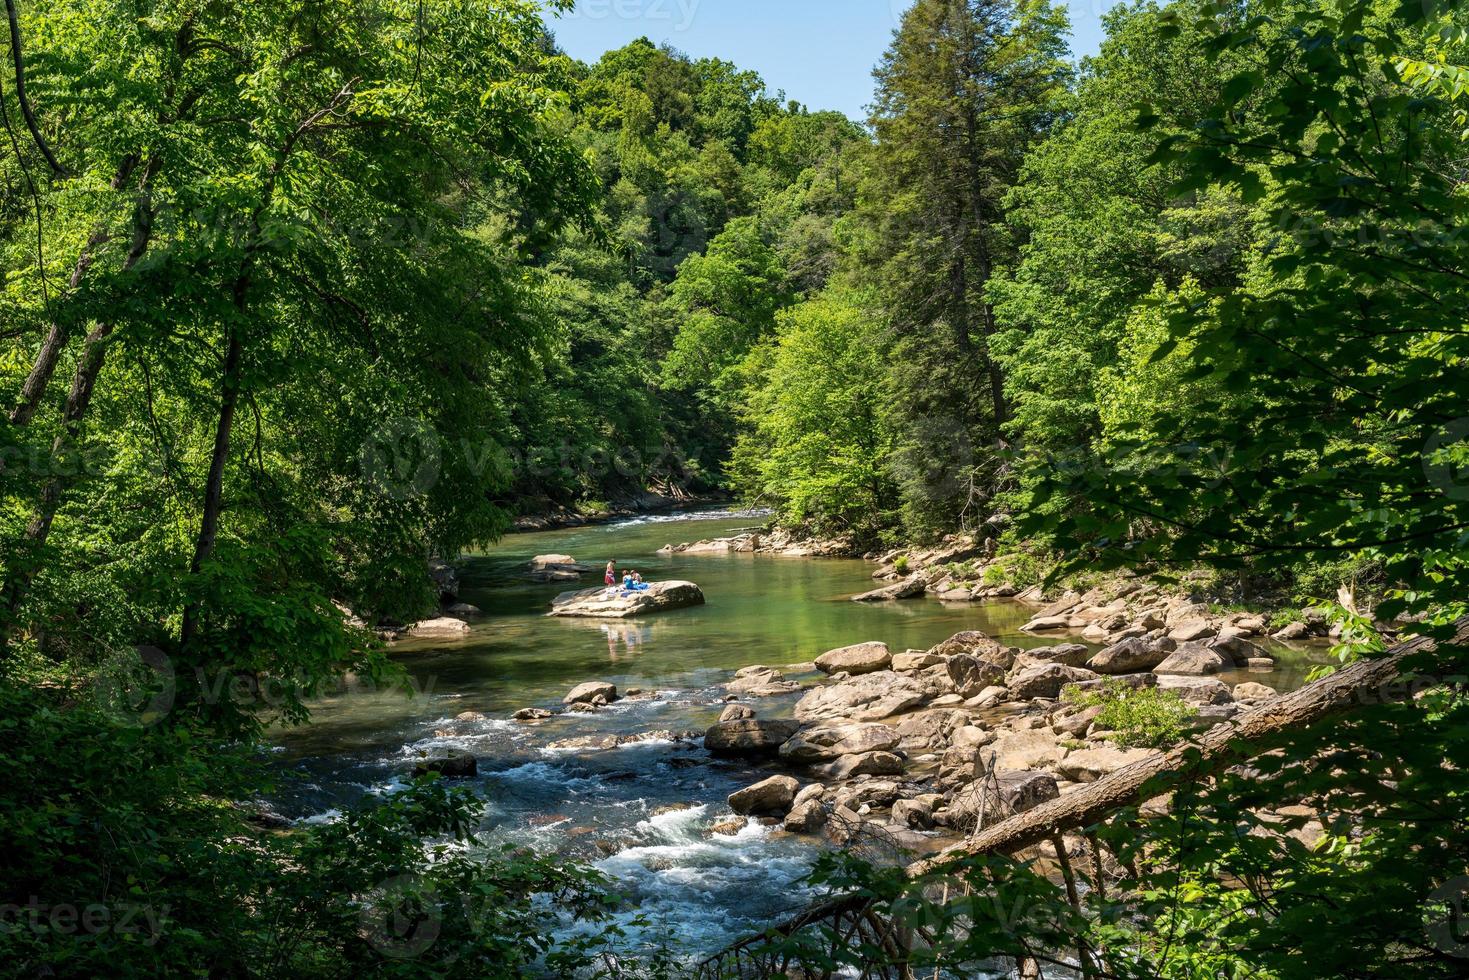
(698,888)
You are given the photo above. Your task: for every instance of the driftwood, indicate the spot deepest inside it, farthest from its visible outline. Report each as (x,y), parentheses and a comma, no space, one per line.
(1366,682)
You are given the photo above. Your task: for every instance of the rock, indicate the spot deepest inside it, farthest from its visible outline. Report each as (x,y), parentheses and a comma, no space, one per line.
(861,658)
(602,743)
(1196,629)
(1025,750)
(1135,682)
(1260,665)
(806,817)
(1237,648)
(532,714)
(1089,765)
(989,696)
(871,697)
(1254,692)
(868,764)
(748,737)
(878,793)
(449,763)
(1076,723)
(915,660)
(976,644)
(1047,624)
(735,712)
(463,610)
(761,682)
(823,744)
(588,693)
(970,675)
(558,563)
(1132,655)
(446,628)
(910,588)
(726,828)
(769,797)
(1018,792)
(1046,681)
(1193,660)
(930,729)
(1196,690)
(914,814)
(603,603)
(445,581)
(956,595)
(1066,654)
(1295,631)
(471,716)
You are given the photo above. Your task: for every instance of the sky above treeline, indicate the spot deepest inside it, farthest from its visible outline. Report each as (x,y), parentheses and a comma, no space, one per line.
(820,52)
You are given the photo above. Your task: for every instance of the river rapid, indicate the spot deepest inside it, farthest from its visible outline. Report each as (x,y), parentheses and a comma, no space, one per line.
(651,815)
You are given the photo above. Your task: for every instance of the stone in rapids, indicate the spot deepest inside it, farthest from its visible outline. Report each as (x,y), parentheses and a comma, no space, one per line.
(602,603)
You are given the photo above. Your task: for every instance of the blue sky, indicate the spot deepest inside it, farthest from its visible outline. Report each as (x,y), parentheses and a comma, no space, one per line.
(821,52)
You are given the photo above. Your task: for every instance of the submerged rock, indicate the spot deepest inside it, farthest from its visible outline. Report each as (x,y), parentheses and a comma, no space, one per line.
(604,603)
(449,763)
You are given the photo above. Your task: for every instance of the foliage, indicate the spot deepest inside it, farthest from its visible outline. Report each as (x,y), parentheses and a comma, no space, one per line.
(1143,717)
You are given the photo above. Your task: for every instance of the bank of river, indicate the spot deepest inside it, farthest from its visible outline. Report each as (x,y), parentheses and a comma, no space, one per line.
(698,888)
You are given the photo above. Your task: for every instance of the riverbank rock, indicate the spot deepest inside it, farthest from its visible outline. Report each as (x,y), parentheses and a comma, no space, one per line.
(748,738)
(1132,655)
(867,764)
(1196,690)
(826,743)
(590,692)
(737,712)
(1254,692)
(1016,751)
(1065,654)
(603,603)
(911,588)
(860,658)
(446,628)
(979,645)
(604,743)
(1010,793)
(449,763)
(971,675)
(871,697)
(806,817)
(532,714)
(769,797)
(1193,660)
(761,682)
(1046,681)
(1089,765)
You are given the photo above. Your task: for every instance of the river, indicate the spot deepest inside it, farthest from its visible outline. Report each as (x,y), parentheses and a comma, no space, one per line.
(697,887)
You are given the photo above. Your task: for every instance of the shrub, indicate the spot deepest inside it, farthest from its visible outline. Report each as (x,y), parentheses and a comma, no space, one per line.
(1138,718)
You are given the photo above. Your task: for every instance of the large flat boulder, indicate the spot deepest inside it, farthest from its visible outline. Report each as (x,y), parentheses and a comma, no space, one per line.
(1046,681)
(825,743)
(911,588)
(1196,690)
(592,692)
(769,797)
(447,628)
(871,697)
(860,658)
(1132,655)
(748,738)
(1090,765)
(1015,751)
(604,603)
(1193,660)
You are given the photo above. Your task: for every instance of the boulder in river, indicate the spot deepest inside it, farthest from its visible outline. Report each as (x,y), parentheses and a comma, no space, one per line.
(825,743)
(1134,654)
(871,697)
(769,797)
(911,588)
(860,658)
(605,603)
(806,817)
(1197,690)
(748,737)
(761,682)
(1046,681)
(449,763)
(1194,660)
(532,714)
(589,692)
(446,628)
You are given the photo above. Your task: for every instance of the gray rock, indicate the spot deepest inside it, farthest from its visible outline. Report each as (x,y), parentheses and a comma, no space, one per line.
(861,658)
(910,588)
(976,644)
(871,697)
(445,628)
(1046,681)
(826,743)
(735,712)
(590,691)
(604,603)
(1196,690)
(970,675)
(806,817)
(1192,660)
(1089,765)
(1010,793)
(769,797)
(748,737)
(1132,655)
(449,763)
(869,764)
(532,714)
(915,660)
(1251,691)
(1066,654)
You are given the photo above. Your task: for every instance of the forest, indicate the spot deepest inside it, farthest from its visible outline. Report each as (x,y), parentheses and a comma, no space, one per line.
(300,296)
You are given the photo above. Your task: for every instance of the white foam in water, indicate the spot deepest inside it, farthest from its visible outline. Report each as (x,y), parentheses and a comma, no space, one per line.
(317,819)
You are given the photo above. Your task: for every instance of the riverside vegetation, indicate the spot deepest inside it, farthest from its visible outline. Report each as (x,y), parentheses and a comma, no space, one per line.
(299,296)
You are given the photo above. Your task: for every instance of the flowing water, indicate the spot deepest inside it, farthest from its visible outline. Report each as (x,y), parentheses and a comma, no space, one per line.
(652,814)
